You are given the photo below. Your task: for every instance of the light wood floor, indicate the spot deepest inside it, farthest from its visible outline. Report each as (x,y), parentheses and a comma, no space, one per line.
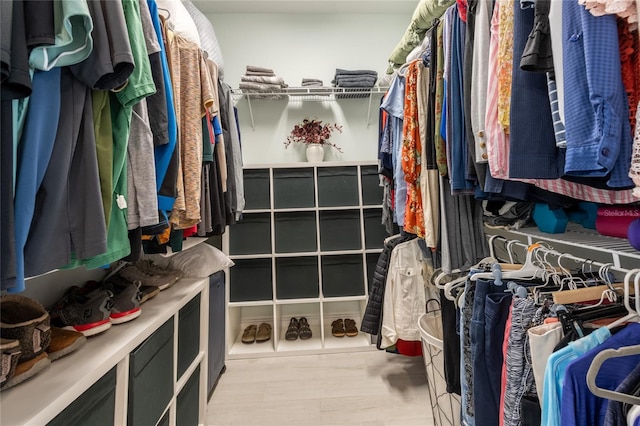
(362,388)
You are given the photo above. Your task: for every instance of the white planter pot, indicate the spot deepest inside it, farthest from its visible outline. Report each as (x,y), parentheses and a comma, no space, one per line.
(315,153)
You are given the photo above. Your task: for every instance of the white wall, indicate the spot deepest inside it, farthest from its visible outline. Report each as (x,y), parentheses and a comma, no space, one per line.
(307,45)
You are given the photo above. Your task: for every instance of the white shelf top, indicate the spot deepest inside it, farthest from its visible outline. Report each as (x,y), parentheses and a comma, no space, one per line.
(589,239)
(313,94)
(297,301)
(343,299)
(309,165)
(38,400)
(250,303)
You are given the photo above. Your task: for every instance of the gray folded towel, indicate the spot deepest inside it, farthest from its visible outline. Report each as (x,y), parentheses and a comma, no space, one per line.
(363,84)
(260,73)
(355,81)
(253,68)
(263,79)
(312,84)
(311,80)
(260,87)
(340,71)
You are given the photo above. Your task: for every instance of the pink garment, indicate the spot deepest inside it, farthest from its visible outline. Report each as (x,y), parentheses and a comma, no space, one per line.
(497,140)
(503,381)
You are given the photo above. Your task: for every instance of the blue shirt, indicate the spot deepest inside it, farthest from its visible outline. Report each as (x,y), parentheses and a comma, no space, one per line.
(163,153)
(554,374)
(580,407)
(596,112)
(394,105)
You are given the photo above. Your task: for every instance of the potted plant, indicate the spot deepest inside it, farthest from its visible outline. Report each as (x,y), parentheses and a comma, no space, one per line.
(315,135)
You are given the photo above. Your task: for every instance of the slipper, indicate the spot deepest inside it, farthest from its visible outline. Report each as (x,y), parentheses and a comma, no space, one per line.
(292,330)
(9,355)
(350,327)
(304,331)
(249,334)
(337,328)
(28,369)
(264,333)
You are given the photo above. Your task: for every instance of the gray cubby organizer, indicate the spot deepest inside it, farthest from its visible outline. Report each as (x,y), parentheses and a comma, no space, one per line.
(307,245)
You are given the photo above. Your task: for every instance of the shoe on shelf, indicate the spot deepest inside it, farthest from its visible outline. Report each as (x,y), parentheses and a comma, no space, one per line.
(350,327)
(26,322)
(293,330)
(264,333)
(150,274)
(63,342)
(84,311)
(337,328)
(148,292)
(304,331)
(27,369)
(249,334)
(126,299)
(9,357)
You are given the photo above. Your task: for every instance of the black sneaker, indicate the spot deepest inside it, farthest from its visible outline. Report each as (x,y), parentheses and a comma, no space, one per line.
(84,311)
(126,299)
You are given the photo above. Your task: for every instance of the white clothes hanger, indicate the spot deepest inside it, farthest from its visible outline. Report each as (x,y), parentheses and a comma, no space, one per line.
(594,368)
(528,271)
(633,313)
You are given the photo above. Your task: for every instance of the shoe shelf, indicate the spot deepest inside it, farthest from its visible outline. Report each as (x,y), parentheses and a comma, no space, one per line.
(122,349)
(308,242)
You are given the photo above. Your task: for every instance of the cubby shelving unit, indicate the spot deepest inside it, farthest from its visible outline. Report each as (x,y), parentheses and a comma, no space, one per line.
(307,245)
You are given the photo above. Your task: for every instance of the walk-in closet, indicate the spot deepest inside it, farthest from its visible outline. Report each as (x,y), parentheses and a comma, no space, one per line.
(375,212)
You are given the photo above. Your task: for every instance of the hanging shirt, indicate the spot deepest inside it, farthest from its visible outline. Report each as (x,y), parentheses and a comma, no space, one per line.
(596,111)
(554,374)
(411,156)
(505,60)
(579,405)
(394,105)
(73,42)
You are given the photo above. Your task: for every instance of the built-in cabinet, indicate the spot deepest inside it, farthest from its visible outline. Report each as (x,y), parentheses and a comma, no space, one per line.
(152,370)
(307,244)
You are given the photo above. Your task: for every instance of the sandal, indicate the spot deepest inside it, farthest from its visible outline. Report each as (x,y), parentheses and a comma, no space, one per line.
(350,327)
(292,330)
(249,334)
(264,333)
(304,331)
(337,328)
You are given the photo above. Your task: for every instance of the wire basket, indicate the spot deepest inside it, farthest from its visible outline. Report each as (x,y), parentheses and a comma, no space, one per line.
(444,406)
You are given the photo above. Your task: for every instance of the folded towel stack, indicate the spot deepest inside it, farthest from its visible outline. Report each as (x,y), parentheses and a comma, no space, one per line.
(311,82)
(263,81)
(355,80)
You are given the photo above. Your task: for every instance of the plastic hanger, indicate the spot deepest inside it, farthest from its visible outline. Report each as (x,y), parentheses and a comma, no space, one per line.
(594,369)
(529,269)
(632,313)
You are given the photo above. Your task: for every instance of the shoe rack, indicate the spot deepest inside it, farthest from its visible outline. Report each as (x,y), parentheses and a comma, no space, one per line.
(307,246)
(149,371)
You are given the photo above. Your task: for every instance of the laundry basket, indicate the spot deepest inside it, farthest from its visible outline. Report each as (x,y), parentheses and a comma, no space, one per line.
(444,406)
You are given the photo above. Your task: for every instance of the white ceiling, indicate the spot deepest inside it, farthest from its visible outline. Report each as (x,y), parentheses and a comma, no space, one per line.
(306,6)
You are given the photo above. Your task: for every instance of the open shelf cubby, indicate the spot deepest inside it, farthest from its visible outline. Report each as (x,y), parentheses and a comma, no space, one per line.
(307,245)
